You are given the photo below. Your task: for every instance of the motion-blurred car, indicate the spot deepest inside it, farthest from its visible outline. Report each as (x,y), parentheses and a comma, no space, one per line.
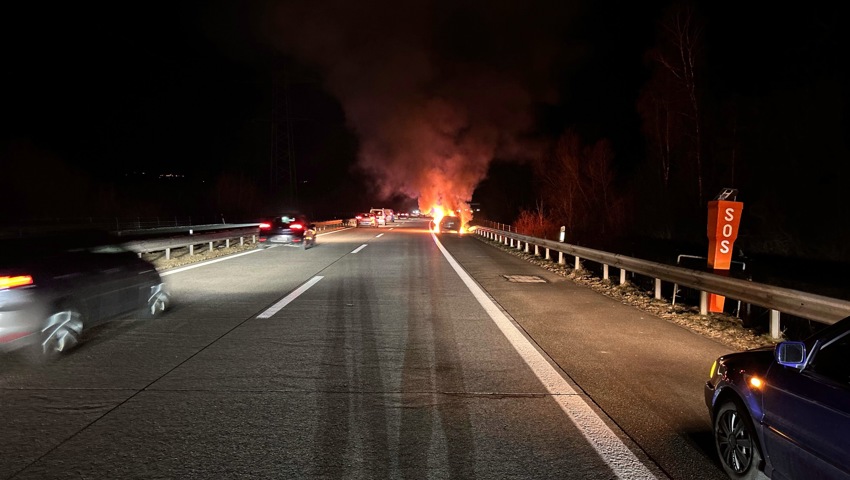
(784,410)
(54,287)
(289,229)
(365,220)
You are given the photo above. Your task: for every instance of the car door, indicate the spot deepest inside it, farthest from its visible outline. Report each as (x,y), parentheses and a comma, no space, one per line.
(807,414)
(117,280)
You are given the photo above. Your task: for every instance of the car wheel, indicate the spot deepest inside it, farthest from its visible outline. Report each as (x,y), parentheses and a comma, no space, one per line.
(61,333)
(156,304)
(735,439)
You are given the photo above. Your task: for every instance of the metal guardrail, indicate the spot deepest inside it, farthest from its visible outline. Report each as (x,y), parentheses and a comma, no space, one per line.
(165,239)
(806,305)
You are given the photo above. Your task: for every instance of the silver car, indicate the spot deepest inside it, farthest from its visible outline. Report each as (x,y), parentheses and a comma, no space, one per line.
(52,288)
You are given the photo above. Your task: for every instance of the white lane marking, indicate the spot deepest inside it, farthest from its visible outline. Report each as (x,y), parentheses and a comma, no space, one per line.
(392,228)
(379,235)
(613,451)
(335,231)
(361,247)
(292,296)
(196,265)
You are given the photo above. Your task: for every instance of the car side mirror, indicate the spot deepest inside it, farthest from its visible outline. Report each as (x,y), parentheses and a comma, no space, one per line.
(791,354)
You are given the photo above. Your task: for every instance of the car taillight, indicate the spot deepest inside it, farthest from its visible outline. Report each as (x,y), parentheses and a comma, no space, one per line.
(16,281)
(265,226)
(296,226)
(358,217)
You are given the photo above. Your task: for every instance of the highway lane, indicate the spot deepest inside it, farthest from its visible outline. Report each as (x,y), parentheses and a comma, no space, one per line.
(386,366)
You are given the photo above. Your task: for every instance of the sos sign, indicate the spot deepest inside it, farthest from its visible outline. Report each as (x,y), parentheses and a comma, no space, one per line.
(724,217)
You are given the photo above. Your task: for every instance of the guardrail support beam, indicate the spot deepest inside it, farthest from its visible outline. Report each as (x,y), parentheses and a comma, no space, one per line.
(658,289)
(622,276)
(605,272)
(703,302)
(168,254)
(775,332)
(578,264)
(548,255)
(561,259)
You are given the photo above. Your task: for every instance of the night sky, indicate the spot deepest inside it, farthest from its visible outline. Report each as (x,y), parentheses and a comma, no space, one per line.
(170,108)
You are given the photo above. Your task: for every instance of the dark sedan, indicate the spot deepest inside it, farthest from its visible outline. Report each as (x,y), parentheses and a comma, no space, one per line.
(447,224)
(784,410)
(291,229)
(53,287)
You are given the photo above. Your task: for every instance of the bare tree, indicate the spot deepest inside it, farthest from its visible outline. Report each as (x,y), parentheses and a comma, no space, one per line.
(578,183)
(670,103)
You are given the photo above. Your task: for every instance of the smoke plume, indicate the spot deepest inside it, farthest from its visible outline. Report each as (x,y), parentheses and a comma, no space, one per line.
(434,90)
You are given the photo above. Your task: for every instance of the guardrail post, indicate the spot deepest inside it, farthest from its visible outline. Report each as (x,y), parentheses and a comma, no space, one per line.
(775,332)
(605,272)
(622,276)
(658,289)
(578,263)
(226,243)
(537,250)
(191,250)
(561,259)
(241,241)
(253,238)
(703,302)
(211,246)
(527,247)
(512,242)
(168,253)
(548,255)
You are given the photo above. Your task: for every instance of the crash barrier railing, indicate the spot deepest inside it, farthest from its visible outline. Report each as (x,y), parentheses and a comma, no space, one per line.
(209,240)
(778,300)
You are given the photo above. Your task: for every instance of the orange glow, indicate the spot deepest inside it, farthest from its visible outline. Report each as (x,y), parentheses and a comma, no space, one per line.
(463,212)
(756,382)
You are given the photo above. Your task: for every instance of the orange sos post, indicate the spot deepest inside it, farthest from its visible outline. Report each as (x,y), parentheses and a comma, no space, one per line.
(724,217)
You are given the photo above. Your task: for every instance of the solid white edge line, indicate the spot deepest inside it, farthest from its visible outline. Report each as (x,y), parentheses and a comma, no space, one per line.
(202,264)
(292,296)
(361,247)
(607,444)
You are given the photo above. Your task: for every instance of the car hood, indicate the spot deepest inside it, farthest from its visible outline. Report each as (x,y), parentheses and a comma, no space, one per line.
(755,359)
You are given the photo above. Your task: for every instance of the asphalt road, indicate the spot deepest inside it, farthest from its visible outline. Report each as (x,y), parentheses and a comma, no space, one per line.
(380,353)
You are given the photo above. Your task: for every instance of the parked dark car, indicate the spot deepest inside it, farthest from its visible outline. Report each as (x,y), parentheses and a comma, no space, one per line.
(290,229)
(53,287)
(448,224)
(784,410)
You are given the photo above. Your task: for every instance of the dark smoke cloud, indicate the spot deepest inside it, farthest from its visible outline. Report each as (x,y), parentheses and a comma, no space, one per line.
(434,90)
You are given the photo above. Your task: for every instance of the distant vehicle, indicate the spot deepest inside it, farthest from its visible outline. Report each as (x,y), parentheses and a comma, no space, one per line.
(365,220)
(289,229)
(54,287)
(380,215)
(403,215)
(785,409)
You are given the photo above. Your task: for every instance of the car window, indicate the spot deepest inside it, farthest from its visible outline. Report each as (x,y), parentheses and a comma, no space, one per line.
(833,359)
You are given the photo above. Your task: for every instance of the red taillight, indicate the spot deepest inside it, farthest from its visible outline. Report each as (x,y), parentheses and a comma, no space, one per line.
(296,226)
(16,281)
(265,226)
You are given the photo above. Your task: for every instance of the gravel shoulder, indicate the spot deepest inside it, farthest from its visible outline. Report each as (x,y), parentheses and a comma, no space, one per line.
(725,329)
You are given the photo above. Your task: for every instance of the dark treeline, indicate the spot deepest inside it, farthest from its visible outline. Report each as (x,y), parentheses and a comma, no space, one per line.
(748,98)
